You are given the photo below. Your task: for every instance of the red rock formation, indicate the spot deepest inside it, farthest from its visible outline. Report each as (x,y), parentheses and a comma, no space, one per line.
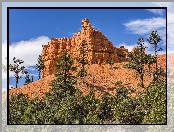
(102,77)
(100,49)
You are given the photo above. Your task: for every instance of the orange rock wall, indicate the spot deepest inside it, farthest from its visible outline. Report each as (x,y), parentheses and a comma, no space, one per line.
(102,77)
(99,49)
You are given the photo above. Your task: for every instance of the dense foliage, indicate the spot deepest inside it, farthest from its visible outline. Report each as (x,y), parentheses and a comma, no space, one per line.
(154,105)
(148,108)
(65,104)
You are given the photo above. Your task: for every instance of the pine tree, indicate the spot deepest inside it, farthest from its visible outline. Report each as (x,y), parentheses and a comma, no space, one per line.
(16,69)
(18,103)
(40,66)
(137,59)
(27,79)
(150,59)
(153,103)
(63,84)
(154,39)
(62,89)
(82,59)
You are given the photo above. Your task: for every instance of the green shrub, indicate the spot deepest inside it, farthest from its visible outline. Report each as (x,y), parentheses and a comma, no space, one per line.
(126,109)
(105,107)
(153,103)
(18,104)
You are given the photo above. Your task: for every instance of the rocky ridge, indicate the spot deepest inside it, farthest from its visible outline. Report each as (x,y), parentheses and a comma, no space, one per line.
(99,49)
(100,74)
(101,77)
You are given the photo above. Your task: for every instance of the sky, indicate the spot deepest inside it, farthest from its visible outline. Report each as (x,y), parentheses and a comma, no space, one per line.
(29,29)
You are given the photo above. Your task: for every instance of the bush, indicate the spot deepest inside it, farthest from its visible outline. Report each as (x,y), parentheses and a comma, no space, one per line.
(105,107)
(153,103)
(18,104)
(126,109)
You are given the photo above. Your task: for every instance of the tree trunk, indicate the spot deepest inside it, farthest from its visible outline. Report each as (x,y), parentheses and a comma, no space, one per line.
(16,81)
(39,74)
(156,66)
(32,78)
(142,80)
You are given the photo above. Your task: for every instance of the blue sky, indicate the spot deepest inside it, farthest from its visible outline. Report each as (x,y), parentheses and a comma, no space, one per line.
(120,26)
(31,23)
(30,29)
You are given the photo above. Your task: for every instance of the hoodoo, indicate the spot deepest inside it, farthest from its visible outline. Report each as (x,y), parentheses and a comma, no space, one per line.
(100,49)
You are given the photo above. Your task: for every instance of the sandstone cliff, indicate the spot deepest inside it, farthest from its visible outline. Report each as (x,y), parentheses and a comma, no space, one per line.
(99,49)
(100,75)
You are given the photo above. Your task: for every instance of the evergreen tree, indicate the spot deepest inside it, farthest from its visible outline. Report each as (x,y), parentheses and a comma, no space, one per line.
(105,107)
(126,110)
(27,78)
(18,104)
(16,69)
(89,109)
(62,89)
(153,103)
(150,59)
(154,39)
(63,84)
(82,60)
(34,114)
(40,66)
(137,59)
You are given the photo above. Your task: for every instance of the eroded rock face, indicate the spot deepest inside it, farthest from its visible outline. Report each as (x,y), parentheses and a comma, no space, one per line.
(100,49)
(102,77)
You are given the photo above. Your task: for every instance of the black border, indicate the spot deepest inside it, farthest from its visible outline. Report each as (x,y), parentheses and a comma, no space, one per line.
(8,8)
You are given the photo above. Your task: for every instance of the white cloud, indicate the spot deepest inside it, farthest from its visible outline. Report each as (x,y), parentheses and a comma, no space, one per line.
(170,29)
(163,4)
(27,50)
(148,50)
(170,24)
(156,11)
(131,46)
(30,68)
(145,26)
(126,46)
